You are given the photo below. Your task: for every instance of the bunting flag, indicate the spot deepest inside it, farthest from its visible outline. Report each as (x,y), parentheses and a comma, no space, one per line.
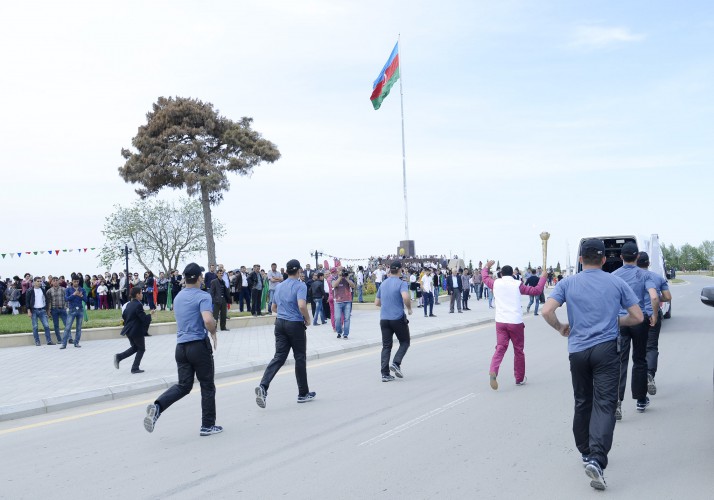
(42,252)
(169,298)
(387,77)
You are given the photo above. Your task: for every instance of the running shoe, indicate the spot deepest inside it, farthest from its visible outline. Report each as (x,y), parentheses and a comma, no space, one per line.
(307,397)
(522,382)
(260,396)
(594,472)
(397,370)
(651,387)
(642,404)
(214,429)
(493,381)
(618,411)
(152,415)
(387,378)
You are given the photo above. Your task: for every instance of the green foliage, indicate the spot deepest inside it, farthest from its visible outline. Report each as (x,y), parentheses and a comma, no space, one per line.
(688,257)
(369,287)
(186,144)
(158,232)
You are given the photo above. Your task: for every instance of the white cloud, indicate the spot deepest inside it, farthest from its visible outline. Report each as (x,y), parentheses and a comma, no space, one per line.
(603,36)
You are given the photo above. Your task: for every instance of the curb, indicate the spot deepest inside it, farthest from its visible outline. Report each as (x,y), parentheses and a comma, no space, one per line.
(57,403)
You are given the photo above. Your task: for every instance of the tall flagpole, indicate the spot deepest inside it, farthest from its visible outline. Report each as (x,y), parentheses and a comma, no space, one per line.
(404,154)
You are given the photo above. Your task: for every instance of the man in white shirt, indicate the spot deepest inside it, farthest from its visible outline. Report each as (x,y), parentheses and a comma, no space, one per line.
(360,283)
(37,309)
(509,319)
(378,276)
(427,292)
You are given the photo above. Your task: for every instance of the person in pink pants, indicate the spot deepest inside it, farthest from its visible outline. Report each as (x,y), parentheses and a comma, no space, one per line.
(507,293)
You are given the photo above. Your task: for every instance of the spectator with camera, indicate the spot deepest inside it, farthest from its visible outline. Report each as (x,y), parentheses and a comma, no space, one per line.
(342,287)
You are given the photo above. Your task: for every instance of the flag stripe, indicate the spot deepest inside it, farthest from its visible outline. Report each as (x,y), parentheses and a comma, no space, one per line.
(387,77)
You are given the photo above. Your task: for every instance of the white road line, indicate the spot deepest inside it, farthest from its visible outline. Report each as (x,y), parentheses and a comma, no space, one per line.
(416,421)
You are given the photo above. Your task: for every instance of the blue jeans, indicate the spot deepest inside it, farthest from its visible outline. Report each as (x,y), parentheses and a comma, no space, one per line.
(343,309)
(436,295)
(428,302)
(377,283)
(490,297)
(58,314)
(271,294)
(360,288)
(74,314)
(40,314)
(532,299)
(319,311)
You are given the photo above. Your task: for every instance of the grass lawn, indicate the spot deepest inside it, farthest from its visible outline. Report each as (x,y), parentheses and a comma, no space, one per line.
(21,323)
(676,280)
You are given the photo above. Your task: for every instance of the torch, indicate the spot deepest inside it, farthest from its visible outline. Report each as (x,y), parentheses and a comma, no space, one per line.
(544,240)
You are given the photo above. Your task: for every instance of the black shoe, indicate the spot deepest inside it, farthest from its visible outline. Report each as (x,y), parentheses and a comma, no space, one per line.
(152,415)
(642,404)
(432,315)
(77,345)
(50,343)
(61,347)
(225,330)
(137,371)
(207,431)
(260,396)
(71,341)
(37,344)
(307,397)
(460,312)
(116,361)
(339,335)
(387,378)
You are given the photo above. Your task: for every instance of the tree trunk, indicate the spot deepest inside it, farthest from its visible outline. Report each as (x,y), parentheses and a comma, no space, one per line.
(208,222)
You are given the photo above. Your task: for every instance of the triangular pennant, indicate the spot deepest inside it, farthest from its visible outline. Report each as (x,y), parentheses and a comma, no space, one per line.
(85,250)
(28,253)
(3,256)
(57,252)
(19,254)
(49,252)
(64,249)
(92,248)
(35,253)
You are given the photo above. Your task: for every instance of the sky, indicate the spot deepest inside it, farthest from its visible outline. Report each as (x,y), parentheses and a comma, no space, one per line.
(573,117)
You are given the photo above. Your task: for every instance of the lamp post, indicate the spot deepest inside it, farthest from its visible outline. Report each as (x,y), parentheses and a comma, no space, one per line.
(316,254)
(125,252)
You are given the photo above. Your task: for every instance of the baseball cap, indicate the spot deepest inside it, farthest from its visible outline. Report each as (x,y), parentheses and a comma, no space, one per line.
(396,264)
(292,265)
(591,247)
(193,270)
(643,259)
(629,249)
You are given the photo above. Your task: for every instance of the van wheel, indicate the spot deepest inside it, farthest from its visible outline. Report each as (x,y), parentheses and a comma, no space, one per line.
(669,313)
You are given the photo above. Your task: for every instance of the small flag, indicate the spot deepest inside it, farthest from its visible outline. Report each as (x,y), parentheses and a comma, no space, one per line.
(387,77)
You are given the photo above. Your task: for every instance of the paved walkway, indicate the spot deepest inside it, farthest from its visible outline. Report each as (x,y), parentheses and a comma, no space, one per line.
(42,379)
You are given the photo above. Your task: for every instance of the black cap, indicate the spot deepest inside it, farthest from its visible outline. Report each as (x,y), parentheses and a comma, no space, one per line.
(193,270)
(629,250)
(292,266)
(592,247)
(396,264)
(643,259)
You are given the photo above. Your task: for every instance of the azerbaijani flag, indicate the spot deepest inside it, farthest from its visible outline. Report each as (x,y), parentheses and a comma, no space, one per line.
(388,77)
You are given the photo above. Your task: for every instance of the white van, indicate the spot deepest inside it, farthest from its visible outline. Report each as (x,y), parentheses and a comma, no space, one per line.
(613,247)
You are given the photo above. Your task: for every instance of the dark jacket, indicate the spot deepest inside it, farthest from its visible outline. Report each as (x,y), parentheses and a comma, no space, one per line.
(318,289)
(219,292)
(253,278)
(30,299)
(136,321)
(450,283)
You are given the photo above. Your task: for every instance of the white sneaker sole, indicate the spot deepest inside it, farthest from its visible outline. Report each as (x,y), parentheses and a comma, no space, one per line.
(598,482)
(149,423)
(259,397)
(397,371)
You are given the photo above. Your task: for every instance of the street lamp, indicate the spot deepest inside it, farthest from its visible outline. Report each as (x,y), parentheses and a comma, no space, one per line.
(125,252)
(316,254)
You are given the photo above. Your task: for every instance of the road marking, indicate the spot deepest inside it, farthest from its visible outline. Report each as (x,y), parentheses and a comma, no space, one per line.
(416,421)
(338,359)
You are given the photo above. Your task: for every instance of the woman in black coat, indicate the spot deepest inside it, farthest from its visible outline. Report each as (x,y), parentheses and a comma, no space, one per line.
(136,326)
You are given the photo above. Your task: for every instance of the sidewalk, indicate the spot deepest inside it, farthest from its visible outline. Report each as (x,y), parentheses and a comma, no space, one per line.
(43,379)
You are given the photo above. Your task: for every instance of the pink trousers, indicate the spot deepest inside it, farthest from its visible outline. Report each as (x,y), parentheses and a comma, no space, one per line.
(514,333)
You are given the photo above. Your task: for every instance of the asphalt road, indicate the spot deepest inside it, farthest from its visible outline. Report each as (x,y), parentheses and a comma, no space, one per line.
(441,432)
